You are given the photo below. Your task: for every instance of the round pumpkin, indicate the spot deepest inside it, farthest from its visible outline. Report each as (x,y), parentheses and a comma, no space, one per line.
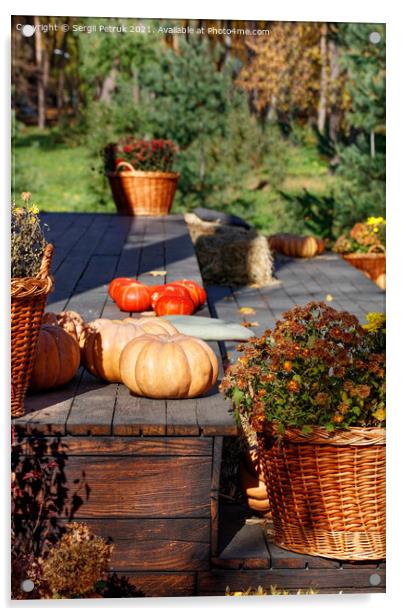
(172,303)
(133,297)
(381,282)
(104,340)
(171,289)
(153,325)
(174,366)
(57,358)
(69,320)
(198,294)
(305,246)
(117,283)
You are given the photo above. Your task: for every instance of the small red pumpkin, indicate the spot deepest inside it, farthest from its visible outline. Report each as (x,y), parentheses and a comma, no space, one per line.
(169,288)
(116,284)
(172,303)
(198,294)
(133,297)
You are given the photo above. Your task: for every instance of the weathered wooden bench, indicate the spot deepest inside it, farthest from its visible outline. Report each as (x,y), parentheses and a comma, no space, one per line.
(145,473)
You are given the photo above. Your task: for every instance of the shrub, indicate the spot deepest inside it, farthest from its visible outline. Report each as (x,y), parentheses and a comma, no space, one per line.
(74,566)
(364,237)
(317,366)
(142,154)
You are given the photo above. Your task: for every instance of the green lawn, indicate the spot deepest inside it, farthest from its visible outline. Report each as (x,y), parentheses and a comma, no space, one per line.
(61,177)
(58,174)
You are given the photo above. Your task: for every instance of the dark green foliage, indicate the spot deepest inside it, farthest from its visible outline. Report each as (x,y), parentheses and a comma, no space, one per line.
(320,215)
(362,161)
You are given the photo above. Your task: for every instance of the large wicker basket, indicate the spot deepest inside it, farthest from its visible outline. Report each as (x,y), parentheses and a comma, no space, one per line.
(327,491)
(28,299)
(373,264)
(142,193)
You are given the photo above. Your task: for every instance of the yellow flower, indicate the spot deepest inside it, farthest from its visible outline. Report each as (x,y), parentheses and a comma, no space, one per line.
(375,222)
(18,210)
(375,321)
(379,414)
(34,209)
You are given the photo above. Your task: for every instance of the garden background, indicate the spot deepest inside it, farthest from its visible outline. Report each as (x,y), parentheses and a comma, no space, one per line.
(285,129)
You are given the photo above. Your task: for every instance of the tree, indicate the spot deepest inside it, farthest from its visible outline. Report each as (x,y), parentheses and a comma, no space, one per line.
(362,159)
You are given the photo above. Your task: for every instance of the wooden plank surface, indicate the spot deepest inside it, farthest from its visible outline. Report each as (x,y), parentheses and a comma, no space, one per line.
(215,581)
(121,446)
(142,486)
(162,584)
(95,249)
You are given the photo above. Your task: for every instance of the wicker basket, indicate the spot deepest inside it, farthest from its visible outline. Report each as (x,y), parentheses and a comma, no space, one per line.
(327,491)
(373,264)
(142,193)
(28,299)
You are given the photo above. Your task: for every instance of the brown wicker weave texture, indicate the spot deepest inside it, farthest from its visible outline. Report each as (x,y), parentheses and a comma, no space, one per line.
(373,264)
(28,299)
(327,493)
(143,193)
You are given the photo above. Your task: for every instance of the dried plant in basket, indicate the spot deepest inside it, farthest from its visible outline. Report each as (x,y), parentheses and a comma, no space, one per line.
(27,239)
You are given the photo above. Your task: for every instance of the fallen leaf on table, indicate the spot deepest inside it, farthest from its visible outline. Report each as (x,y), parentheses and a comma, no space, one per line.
(158,273)
(250,323)
(329,297)
(247,310)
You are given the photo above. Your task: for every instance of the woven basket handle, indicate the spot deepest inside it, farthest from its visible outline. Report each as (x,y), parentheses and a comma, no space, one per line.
(46,260)
(124,164)
(379,247)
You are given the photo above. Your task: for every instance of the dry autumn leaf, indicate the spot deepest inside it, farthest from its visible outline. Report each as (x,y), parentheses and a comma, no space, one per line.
(158,273)
(247,310)
(250,323)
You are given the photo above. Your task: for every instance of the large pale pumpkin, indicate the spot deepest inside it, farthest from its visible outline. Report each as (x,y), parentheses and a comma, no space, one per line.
(57,358)
(104,340)
(153,325)
(69,320)
(166,366)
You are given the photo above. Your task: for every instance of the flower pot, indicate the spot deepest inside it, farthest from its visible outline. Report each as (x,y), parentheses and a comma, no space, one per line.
(142,193)
(372,264)
(327,491)
(28,299)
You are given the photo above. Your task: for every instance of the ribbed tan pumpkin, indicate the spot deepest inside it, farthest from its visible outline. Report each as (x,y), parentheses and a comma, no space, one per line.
(57,358)
(153,325)
(166,366)
(103,341)
(69,320)
(305,246)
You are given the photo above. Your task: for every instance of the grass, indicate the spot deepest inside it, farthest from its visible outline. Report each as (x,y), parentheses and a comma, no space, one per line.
(58,174)
(61,175)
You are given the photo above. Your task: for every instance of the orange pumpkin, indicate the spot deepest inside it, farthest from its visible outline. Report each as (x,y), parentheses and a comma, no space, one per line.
(197,293)
(104,340)
(381,282)
(304,246)
(171,289)
(69,320)
(172,303)
(174,366)
(117,283)
(57,358)
(133,297)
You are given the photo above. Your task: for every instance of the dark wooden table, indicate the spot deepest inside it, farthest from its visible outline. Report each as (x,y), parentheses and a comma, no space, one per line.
(145,473)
